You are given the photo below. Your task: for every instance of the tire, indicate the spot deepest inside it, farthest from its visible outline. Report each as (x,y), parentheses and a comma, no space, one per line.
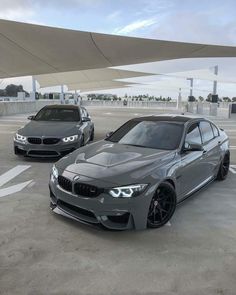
(92,135)
(16,151)
(82,141)
(224,167)
(162,206)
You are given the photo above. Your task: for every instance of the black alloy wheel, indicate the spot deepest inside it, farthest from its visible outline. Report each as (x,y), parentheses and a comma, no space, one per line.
(224,168)
(162,206)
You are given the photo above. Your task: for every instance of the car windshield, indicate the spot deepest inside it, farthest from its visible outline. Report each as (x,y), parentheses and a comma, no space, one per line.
(58,114)
(149,134)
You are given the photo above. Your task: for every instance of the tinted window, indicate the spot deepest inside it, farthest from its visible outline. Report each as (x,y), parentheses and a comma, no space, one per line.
(84,113)
(206,131)
(215,130)
(54,114)
(193,136)
(149,134)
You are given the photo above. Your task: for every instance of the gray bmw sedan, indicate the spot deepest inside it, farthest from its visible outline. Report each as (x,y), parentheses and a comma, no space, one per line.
(55,131)
(139,173)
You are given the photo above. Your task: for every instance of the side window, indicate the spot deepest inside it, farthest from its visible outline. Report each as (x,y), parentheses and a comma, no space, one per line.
(215,130)
(206,131)
(84,115)
(193,135)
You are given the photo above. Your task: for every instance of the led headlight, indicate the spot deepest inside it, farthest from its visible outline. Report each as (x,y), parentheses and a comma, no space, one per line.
(70,138)
(20,138)
(127,191)
(54,171)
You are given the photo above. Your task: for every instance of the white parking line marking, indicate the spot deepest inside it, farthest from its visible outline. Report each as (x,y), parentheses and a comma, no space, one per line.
(233,147)
(13,120)
(10,125)
(107,113)
(232,170)
(14,188)
(7,132)
(12,173)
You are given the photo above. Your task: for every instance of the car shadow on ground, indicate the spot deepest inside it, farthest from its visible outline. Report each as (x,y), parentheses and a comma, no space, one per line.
(39,160)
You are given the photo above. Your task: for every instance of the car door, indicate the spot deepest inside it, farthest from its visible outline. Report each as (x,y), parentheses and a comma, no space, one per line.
(191,173)
(211,146)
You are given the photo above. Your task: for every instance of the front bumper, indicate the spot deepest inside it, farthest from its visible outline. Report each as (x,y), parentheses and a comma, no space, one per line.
(42,151)
(112,213)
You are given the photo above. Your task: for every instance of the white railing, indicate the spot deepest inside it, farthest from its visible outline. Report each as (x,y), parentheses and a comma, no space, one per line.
(21,107)
(136,104)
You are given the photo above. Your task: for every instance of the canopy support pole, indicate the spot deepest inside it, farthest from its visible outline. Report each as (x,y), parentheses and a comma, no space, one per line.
(216,69)
(62,95)
(33,92)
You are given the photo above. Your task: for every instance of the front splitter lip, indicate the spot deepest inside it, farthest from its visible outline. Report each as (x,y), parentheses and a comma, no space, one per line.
(58,150)
(99,223)
(60,211)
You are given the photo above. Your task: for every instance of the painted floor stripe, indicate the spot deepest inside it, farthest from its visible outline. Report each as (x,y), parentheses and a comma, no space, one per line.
(14,188)
(7,132)
(232,170)
(10,125)
(9,175)
(13,120)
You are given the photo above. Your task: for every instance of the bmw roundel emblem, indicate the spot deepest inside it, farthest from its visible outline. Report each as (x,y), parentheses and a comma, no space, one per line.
(76,178)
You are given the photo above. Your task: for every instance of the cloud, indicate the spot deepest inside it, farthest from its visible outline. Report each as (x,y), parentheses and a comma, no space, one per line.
(18,11)
(18,15)
(134,26)
(114,15)
(198,27)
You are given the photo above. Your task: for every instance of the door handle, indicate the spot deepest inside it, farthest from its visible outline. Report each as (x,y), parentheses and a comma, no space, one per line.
(204,151)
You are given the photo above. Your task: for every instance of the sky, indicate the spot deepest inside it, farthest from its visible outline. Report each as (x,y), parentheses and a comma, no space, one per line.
(211,22)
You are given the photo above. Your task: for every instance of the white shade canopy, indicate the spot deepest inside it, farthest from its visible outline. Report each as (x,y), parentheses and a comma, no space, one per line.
(27,49)
(86,76)
(98,85)
(97,89)
(204,74)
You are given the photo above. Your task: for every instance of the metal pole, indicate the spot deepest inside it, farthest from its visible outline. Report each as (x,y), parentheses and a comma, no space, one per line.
(178,106)
(33,93)
(216,69)
(62,94)
(191,86)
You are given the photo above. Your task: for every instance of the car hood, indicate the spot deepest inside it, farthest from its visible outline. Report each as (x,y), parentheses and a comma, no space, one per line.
(115,163)
(43,128)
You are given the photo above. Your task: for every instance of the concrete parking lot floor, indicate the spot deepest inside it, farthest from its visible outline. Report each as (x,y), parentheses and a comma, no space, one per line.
(43,253)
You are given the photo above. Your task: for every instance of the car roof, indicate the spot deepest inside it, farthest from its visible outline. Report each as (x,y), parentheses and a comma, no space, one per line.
(175,118)
(62,106)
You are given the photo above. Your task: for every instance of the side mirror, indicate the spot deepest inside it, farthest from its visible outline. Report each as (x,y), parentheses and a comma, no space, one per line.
(86,119)
(31,118)
(192,147)
(109,134)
